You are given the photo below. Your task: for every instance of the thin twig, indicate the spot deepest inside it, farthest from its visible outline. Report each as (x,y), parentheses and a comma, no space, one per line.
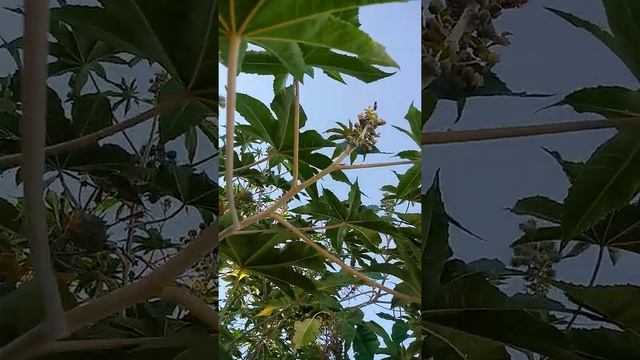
(257,162)
(200,162)
(329,256)
(592,281)
(33,133)
(460,136)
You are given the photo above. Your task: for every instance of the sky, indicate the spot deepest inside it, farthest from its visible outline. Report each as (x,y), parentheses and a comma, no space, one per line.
(479,179)
(397,27)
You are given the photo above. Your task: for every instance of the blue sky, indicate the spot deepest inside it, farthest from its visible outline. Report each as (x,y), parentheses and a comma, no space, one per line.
(397,27)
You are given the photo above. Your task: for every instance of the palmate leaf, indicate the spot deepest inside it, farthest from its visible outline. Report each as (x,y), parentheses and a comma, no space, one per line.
(146,28)
(183,183)
(604,344)
(463,308)
(281,29)
(354,217)
(265,63)
(260,254)
(435,238)
(613,302)
(277,132)
(608,181)
(414,118)
(365,342)
(624,20)
(620,230)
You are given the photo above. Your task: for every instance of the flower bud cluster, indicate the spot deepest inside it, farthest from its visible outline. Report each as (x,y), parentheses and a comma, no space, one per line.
(364,134)
(468,57)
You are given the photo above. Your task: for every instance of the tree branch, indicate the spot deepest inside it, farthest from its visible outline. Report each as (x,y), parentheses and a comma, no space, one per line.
(460,136)
(134,293)
(94,137)
(196,306)
(33,133)
(329,256)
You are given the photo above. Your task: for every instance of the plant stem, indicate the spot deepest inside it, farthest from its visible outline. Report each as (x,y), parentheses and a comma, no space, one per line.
(33,132)
(92,138)
(326,254)
(460,136)
(296,137)
(257,162)
(377,165)
(232,71)
(196,306)
(592,281)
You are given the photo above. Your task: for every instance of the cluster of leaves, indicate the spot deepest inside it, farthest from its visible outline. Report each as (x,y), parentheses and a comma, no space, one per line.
(467,314)
(284,299)
(108,202)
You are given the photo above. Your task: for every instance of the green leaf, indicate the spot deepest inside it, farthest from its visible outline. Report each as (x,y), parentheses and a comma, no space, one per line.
(613,302)
(414,118)
(467,304)
(447,87)
(605,344)
(609,180)
(147,28)
(429,103)
(281,29)
(9,216)
(264,254)
(177,121)
(450,344)
(571,168)
(622,17)
(264,63)
(409,182)
(363,222)
(91,113)
(540,207)
(191,143)
(305,332)
(608,101)
(365,343)
(435,238)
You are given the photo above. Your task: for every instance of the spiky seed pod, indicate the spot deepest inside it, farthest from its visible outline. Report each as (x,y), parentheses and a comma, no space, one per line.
(87,231)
